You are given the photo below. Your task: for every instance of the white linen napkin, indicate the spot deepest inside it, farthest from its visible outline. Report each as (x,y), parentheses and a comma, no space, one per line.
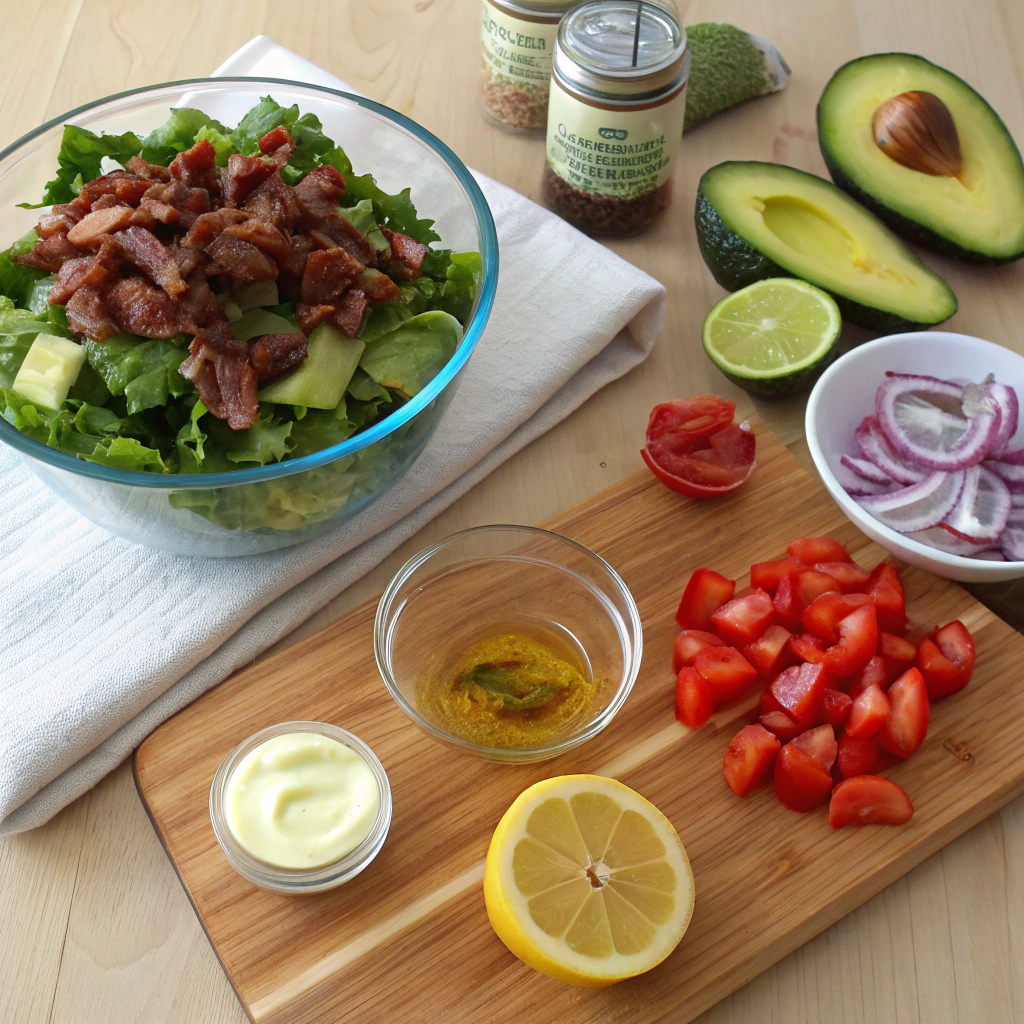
(102,640)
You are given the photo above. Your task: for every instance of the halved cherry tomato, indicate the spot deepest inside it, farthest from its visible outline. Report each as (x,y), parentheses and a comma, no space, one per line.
(744,619)
(850,576)
(749,759)
(818,549)
(820,743)
(768,575)
(800,781)
(688,643)
(705,593)
(780,724)
(897,654)
(858,641)
(857,756)
(799,690)
(872,673)
(770,652)
(835,706)
(869,800)
(868,714)
(946,659)
(907,725)
(796,591)
(823,615)
(726,671)
(680,425)
(694,703)
(885,588)
(808,648)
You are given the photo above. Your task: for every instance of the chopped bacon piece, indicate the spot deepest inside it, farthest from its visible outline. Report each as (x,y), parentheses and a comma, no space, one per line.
(199,301)
(142,219)
(274,201)
(318,194)
(88,315)
(240,260)
(144,169)
(272,354)
(275,138)
(86,271)
(298,251)
(194,167)
(310,317)
(51,253)
(328,273)
(244,174)
(263,235)
(107,201)
(163,212)
(207,226)
(348,317)
(189,202)
(378,286)
(219,366)
(409,253)
(138,307)
(126,187)
(349,237)
(89,231)
(62,217)
(186,258)
(152,257)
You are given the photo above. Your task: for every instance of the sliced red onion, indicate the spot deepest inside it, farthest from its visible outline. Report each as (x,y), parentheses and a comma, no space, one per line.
(991,555)
(856,485)
(919,506)
(1011,473)
(919,429)
(1013,452)
(982,512)
(942,539)
(875,448)
(1009,413)
(1013,543)
(1016,500)
(867,470)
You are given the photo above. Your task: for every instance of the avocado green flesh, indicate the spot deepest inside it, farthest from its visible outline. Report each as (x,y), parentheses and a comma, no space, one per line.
(978,215)
(758,220)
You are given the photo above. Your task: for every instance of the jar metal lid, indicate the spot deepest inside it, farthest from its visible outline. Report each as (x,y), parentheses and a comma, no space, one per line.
(545,11)
(622,48)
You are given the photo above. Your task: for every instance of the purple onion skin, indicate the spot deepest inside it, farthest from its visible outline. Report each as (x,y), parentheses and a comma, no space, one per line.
(1009,410)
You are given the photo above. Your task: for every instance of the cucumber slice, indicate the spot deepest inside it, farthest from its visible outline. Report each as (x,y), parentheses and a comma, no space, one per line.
(255,293)
(50,367)
(319,381)
(256,322)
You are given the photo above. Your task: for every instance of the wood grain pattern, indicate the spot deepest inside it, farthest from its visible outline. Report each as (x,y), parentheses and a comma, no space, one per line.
(767,879)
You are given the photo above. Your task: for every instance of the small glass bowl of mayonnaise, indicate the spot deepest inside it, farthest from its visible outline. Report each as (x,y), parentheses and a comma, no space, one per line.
(300,807)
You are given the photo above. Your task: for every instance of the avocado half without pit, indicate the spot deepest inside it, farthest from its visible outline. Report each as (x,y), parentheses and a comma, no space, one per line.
(921,148)
(759,220)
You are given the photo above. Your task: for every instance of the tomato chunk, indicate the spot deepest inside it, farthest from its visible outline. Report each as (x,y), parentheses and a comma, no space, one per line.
(907,724)
(872,673)
(726,671)
(706,468)
(857,756)
(868,713)
(694,703)
(850,576)
(946,660)
(768,575)
(800,690)
(705,593)
(869,800)
(820,743)
(796,591)
(744,619)
(688,643)
(818,549)
(835,706)
(770,652)
(780,724)
(858,641)
(749,759)
(897,655)
(808,648)
(885,588)
(823,615)
(800,781)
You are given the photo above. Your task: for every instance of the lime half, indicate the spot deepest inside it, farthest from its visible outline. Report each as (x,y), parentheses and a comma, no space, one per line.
(773,335)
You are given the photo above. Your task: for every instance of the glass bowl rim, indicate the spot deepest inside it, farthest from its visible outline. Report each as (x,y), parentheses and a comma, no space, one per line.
(10,435)
(299,880)
(524,754)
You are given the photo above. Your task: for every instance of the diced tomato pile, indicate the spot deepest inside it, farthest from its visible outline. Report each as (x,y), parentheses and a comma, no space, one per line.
(844,693)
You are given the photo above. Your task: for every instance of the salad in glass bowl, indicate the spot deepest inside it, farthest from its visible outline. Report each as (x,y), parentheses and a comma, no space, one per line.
(202,303)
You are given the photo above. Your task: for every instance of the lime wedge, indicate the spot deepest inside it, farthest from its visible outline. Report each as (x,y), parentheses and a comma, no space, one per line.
(774,335)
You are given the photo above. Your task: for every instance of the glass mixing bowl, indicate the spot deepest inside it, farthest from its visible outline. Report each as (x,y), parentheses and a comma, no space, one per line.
(266,507)
(498,579)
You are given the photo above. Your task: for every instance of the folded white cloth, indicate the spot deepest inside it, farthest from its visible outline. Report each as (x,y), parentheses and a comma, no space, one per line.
(102,640)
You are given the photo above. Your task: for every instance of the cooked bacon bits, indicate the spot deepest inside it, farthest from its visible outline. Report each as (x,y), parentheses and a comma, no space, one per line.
(144,250)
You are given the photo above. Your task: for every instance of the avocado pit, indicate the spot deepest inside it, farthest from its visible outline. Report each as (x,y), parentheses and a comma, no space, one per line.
(917,130)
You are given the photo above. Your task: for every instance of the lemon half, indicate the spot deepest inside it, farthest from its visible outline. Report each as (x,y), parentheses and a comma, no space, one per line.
(586,881)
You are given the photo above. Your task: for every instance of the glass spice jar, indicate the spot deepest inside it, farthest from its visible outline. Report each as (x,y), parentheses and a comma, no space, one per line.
(518,41)
(615,115)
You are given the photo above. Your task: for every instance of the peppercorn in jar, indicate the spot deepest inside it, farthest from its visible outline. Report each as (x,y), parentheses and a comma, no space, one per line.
(615,114)
(518,41)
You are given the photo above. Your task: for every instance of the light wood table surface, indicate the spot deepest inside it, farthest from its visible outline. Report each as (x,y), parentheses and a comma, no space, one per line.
(94,926)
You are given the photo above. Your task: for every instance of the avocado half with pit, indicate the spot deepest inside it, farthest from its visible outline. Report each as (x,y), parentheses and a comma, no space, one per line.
(758,220)
(976,214)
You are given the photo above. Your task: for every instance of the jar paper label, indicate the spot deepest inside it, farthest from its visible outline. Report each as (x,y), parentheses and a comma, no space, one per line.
(518,51)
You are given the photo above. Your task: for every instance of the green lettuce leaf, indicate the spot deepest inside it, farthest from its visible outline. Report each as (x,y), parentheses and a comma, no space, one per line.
(144,371)
(221,142)
(321,428)
(37,298)
(462,280)
(361,218)
(409,357)
(394,211)
(265,441)
(364,388)
(178,133)
(383,318)
(89,387)
(17,281)
(80,159)
(127,453)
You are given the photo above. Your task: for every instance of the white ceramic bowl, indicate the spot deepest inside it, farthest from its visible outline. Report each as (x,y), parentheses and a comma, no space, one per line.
(845,394)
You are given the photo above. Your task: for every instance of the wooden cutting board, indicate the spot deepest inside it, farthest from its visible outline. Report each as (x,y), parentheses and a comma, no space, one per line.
(409,940)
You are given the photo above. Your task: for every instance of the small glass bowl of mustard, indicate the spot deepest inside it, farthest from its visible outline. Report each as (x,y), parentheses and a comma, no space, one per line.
(511,643)
(300,807)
